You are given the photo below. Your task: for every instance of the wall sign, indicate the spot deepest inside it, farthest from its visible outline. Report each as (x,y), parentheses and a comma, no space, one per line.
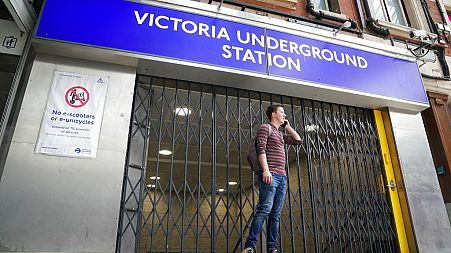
(72,119)
(140,28)
(12,40)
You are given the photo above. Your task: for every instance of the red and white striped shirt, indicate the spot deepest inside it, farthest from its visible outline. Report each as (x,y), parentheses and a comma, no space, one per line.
(274,147)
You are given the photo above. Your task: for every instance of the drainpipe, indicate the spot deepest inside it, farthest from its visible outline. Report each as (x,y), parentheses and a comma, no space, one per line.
(321,15)
(441,8)
(371,22)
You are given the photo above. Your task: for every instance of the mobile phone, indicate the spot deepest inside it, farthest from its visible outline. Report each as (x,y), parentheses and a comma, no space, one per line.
(284,123)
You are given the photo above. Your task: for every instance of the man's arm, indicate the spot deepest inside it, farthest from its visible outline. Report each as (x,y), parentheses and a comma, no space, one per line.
(267,177)
(262,138)
(290,131)
(293,133)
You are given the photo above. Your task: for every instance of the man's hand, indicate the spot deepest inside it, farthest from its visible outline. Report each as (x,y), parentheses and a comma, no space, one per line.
(289,130)
(286,124)
(267,177)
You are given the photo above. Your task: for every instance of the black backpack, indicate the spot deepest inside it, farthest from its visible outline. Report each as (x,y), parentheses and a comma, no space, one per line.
(252,156)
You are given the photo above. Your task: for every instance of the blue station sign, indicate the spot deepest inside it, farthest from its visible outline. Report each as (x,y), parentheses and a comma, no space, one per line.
(151,30)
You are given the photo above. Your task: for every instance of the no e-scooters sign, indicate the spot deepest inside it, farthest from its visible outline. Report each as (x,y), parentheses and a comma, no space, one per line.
(77,96)
(72,119)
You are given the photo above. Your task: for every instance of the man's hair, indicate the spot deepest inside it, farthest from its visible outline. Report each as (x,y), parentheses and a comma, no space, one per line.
(271,109)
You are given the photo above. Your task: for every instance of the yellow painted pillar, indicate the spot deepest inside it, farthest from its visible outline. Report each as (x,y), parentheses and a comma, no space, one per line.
(391,183)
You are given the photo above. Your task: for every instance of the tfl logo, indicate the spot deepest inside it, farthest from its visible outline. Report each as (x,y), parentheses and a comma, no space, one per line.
(9,42)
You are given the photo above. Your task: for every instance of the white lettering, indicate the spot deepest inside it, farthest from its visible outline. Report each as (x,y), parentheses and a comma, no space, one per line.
(240,39)
(248,38)
(151,18)
(189,22)
(351,59)
(139,19)
(342,58)
(157,22)
(260,55)
(203,29)
(227,53)
(281,65)
(296,65)
(283,46)
(362,62)
(248,56)
(260,41)
(213,31)
(176,23)
(294,47)
(327,58)
(316,52)
(237,52)
(223,33)
(275,43)
(305,50)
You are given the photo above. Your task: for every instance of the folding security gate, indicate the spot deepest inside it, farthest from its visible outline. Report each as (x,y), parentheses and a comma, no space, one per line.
(199,196)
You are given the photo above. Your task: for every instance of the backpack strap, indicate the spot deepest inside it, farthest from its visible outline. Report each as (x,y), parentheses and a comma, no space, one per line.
(255,142)
(269,133)
(270,129)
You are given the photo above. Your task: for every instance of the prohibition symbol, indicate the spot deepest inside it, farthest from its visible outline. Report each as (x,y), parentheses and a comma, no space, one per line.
(77,96)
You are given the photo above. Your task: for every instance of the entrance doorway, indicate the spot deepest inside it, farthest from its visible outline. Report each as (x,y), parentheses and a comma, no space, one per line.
(188,187)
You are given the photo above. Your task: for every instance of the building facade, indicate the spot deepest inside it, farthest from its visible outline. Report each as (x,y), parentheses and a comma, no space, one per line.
(128,125)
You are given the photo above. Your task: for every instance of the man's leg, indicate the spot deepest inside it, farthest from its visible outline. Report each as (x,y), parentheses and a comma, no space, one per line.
(265,203)
(280,183)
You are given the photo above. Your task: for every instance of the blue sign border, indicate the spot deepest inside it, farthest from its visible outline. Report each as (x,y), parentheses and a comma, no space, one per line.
(146,29)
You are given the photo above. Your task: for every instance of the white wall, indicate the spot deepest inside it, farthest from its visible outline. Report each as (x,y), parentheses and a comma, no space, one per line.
(448,209)
(429,217)
(60,204)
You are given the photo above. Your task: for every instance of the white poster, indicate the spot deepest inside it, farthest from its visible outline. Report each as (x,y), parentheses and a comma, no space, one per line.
(72,119)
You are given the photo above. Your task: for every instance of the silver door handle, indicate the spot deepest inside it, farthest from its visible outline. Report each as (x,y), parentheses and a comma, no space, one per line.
(391,185)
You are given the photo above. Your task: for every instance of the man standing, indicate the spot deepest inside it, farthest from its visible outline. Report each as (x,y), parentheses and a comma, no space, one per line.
(272,177)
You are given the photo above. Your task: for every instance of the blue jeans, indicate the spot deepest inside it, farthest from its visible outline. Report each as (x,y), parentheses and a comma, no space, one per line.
(270,203)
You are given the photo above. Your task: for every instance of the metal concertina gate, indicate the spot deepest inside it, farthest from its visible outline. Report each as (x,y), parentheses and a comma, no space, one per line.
(201,197)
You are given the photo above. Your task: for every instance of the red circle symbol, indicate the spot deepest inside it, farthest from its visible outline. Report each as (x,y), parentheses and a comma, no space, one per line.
(77,96)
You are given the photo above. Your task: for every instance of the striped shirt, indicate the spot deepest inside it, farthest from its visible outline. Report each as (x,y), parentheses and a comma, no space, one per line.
(274,148)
